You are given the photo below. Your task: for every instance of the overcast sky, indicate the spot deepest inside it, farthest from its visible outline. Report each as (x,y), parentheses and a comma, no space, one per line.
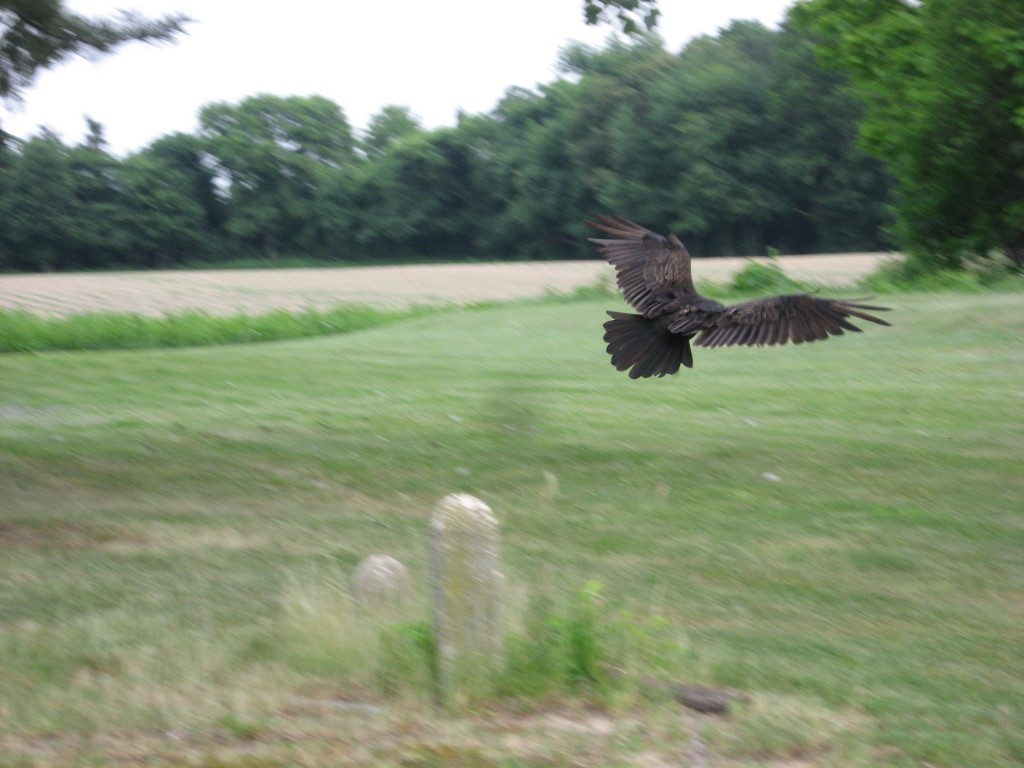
(434,56)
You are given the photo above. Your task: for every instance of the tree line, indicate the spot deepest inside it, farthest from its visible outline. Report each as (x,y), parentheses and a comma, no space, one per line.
(741,143)
(942,82)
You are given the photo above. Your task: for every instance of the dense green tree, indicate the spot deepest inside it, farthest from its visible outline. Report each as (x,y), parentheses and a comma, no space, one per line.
(272,152)
(943,85)
(727,180)
(740,142)
(613,143)
(95,239)
(837,195)
(37,207)
(756,148)
(536,193)
(161,218)
(415,198)
(388,127)
(186,154)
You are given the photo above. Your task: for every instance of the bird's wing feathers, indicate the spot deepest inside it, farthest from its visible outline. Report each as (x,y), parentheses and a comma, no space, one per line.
(778,319)
(652,271)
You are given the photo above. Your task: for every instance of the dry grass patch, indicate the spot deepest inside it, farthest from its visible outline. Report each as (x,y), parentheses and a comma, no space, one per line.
(65,535)
(312,733)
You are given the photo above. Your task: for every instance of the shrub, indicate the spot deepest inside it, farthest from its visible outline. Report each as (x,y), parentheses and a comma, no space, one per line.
(567,645)
(757,277)
(585,646)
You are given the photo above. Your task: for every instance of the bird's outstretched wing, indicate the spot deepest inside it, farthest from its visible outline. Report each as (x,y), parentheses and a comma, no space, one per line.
(652,271)
(778,319)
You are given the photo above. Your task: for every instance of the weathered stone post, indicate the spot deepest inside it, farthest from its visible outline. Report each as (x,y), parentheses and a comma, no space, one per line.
(466,585)
(381,585)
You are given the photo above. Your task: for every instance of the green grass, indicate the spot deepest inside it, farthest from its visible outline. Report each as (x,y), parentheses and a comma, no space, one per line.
(170,521)
(22,331)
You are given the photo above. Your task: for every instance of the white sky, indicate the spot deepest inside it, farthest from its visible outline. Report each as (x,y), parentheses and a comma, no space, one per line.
(433,56)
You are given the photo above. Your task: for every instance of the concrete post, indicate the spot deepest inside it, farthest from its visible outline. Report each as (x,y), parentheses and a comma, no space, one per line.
(466,587)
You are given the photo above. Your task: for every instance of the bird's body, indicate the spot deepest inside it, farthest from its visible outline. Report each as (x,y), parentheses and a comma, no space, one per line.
(653,273)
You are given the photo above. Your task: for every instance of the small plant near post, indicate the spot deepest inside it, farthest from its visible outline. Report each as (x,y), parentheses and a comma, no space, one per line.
(466,585)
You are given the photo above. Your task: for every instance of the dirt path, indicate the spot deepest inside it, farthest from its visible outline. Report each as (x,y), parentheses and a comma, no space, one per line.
(255,291)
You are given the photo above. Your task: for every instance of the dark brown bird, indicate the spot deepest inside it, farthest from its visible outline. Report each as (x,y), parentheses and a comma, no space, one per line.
(653,273)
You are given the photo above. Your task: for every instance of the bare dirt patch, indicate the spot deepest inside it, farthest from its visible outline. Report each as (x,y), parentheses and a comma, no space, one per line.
(256,291)
(61,535)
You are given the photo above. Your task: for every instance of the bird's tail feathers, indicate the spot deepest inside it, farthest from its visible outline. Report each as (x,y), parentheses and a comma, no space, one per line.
(645,346)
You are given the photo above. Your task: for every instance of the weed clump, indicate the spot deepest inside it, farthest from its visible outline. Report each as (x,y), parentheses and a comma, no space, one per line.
(992,271)
(757,277)
(569,645)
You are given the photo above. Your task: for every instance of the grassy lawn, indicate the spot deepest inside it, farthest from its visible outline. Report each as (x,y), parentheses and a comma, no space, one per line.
(836,530)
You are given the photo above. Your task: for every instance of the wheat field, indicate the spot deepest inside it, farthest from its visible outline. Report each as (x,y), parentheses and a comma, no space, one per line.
(261,290)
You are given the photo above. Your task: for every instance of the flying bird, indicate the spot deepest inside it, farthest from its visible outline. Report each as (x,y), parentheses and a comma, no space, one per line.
(653,273)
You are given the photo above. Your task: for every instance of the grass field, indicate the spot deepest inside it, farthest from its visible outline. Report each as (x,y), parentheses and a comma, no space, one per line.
(835,530)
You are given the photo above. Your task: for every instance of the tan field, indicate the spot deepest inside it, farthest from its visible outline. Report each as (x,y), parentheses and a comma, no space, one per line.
(255,291)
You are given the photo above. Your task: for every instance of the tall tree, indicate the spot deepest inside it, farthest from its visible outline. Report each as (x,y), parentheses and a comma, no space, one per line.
(37,207)
(276,155)
(943,85)
(415,199)
(95,137)
(387,128)
(614,146)
(186,155)
(533,173)
(160,217)
(95,239)
(837,195)
(723,145)
(740,142)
